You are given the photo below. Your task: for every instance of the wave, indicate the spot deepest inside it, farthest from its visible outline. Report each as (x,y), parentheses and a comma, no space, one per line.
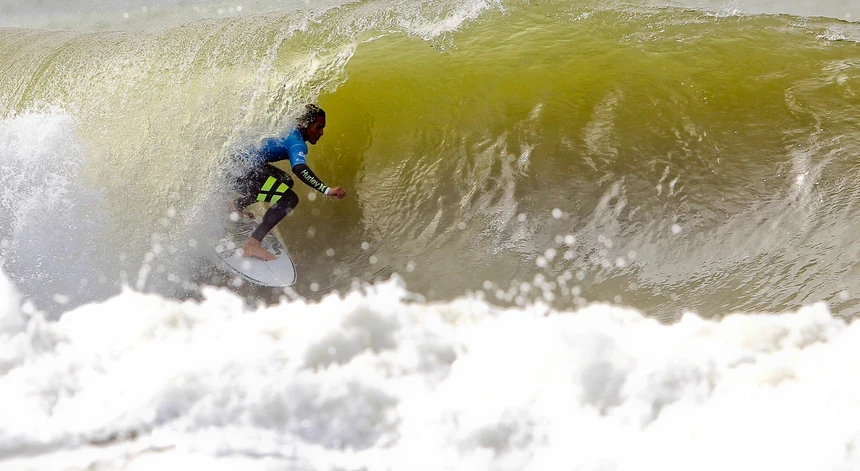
(526,169)
(664,157)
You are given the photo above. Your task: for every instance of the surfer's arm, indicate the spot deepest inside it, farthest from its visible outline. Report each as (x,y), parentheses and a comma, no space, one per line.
(306,175)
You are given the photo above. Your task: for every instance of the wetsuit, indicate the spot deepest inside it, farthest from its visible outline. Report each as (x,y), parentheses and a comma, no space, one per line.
(264,182)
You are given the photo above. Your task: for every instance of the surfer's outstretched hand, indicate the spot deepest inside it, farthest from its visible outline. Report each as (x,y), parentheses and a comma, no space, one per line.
(337,192)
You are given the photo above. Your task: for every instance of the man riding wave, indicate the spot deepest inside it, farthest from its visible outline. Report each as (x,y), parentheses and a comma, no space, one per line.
(265,182)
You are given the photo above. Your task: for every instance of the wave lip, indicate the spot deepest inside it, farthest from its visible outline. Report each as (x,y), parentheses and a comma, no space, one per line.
(129,15)
(371,380)
(848,10)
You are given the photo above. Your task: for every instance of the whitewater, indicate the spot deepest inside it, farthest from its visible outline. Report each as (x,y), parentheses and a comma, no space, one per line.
(579,235)
(376,380)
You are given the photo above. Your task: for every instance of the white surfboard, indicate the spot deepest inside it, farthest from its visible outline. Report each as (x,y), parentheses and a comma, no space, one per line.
(277,273)
(280,272)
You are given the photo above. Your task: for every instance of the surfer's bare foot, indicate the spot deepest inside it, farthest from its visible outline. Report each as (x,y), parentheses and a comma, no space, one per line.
(253,248)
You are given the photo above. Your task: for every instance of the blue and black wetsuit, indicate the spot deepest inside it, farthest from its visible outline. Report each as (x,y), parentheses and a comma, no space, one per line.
(264,182)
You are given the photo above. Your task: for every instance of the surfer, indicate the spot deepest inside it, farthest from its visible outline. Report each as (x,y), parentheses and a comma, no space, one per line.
(264,182)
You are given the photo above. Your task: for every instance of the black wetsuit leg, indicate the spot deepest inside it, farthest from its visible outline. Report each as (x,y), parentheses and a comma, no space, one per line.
(275,213)
(270,184)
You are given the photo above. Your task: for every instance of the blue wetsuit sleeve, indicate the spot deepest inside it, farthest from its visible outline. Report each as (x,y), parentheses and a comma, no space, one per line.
(298,152)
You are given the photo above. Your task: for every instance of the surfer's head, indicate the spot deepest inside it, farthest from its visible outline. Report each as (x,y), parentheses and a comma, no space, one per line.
(311,123)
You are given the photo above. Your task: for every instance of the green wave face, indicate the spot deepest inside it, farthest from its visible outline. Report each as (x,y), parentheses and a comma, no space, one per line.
(686,154)
(667,158)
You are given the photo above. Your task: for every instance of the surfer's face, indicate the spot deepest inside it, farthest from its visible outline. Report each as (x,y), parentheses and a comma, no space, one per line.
(314,131)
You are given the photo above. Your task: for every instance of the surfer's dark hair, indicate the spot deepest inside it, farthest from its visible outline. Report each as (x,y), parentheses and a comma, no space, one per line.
(311,113)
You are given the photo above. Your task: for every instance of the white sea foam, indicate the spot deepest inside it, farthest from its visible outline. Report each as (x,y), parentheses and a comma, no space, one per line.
(374,381)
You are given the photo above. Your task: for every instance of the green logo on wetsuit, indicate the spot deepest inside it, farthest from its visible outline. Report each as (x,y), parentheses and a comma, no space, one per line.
(272,196)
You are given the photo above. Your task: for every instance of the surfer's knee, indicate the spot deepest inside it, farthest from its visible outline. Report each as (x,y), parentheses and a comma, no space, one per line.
(290,199)
(285,204)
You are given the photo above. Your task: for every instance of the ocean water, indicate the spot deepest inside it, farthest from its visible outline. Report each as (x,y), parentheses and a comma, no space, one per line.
(579,235)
